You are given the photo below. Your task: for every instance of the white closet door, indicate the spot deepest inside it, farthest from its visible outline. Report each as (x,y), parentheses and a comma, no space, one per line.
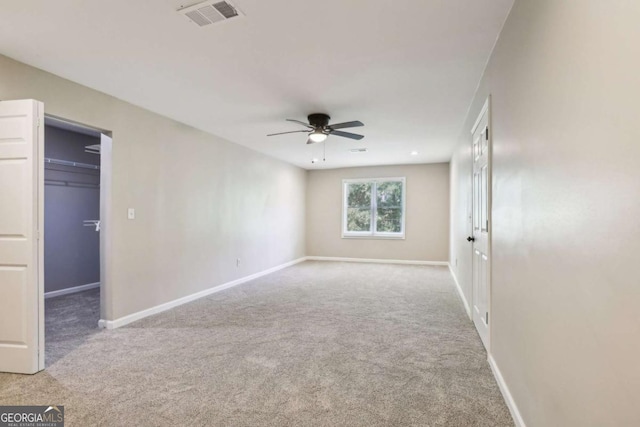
(21,225)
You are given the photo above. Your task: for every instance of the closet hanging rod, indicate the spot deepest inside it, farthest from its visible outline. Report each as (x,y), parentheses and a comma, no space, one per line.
(72,164)
(75,184)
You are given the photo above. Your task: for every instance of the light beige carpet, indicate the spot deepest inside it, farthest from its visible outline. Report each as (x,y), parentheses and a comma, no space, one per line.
(317,344)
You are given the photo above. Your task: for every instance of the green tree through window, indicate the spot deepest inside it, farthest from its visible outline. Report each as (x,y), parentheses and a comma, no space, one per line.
(359,207)
(374,207)
(389,207)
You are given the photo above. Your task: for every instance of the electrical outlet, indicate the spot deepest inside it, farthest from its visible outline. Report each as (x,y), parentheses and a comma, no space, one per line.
(237,262)
(131,213)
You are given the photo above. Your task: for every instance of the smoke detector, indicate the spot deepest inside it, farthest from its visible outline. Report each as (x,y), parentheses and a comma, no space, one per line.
(207,13)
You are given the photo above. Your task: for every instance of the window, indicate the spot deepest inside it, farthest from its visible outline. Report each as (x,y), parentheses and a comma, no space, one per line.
(373,207)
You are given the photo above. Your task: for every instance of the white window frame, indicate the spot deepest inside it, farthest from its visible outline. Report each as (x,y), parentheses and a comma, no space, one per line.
(374,217)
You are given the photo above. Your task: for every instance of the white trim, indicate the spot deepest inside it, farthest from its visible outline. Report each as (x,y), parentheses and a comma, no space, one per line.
(60,123)
(485,107)
(106,216)
(113,324)
(383,179)
(508,398)
(377,261)
(368,236)
(72,290)
(467,307)
(40,224)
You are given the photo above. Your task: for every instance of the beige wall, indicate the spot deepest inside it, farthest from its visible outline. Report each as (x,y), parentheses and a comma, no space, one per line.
(427,214)
(201,202)
(565,329)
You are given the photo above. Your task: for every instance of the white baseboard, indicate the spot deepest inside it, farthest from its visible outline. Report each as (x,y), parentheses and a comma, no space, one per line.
(508,398)
(377,261)
(113,324)
(73,290)
(467,307)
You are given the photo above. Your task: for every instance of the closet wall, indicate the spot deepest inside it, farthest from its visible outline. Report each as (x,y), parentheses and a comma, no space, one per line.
(72,195)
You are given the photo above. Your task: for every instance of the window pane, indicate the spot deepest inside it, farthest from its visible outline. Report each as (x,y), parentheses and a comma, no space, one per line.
(358,219)
(359,206)
(389,212)
(389,220)
(359,195)
(389,195)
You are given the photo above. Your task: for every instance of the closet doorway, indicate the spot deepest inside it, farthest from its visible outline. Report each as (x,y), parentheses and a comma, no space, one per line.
(72,241)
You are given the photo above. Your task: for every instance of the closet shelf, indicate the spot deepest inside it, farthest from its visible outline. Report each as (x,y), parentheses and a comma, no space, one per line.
(72,164)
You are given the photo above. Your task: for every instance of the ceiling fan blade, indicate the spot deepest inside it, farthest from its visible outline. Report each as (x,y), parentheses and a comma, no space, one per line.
(302,123)
(311,141)
(347,134)
(354,124)
(283,133)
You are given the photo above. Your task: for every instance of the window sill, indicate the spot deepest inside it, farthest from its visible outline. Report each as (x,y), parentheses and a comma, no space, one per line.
(374,237)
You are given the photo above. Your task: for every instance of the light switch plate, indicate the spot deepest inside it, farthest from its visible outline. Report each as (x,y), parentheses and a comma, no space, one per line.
(131,213)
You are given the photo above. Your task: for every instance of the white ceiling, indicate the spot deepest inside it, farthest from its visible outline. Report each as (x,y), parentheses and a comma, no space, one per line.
(408,69)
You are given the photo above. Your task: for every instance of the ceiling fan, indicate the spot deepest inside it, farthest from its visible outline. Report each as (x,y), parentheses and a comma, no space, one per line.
(319,128)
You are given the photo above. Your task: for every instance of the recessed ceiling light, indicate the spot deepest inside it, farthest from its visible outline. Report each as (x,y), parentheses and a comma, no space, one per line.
(414,153)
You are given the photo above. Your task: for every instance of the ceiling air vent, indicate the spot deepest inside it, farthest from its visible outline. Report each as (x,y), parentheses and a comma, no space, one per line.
(207,13)
(358,150)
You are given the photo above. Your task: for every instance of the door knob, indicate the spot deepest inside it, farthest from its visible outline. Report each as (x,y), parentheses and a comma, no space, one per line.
(471,239)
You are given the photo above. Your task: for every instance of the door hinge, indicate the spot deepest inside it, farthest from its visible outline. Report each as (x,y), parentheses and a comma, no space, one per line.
(486,133)
(486,316)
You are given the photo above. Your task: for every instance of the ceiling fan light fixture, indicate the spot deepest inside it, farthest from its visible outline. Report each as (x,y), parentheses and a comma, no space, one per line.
(318,128)
(318,136)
